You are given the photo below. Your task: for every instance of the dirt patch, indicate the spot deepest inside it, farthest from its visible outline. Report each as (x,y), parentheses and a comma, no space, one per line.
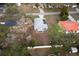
(41,38)
(40,52)
(51,19)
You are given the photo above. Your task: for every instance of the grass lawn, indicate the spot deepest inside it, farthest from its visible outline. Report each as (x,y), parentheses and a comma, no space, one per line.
(57,9)
(54,31)
(55,28)
(3,30)
(51,9)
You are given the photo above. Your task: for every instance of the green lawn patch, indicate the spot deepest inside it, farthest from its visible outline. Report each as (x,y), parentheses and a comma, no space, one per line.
(51,9)
(3,30)
(56,28)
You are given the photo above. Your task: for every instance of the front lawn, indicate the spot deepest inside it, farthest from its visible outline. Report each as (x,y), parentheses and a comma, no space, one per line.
(55,28)
(3,32)
(54,31)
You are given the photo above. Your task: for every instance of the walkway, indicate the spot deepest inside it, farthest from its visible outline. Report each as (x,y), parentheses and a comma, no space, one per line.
(41,15)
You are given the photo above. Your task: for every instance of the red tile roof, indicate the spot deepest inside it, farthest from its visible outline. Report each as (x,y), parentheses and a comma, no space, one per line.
(69,25)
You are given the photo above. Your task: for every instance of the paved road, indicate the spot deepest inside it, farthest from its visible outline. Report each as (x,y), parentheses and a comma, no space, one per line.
(50,13)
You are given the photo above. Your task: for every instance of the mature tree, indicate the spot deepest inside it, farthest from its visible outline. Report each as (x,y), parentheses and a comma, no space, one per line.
(16,49)
(64,13)
(11,10)
(37,5)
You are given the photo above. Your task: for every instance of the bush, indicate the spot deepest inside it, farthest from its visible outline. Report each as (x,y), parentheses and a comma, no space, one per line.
(16,49)
(32,43)
(64,13)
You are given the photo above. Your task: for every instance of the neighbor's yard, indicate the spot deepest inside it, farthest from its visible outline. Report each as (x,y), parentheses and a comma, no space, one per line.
(57,9)
(27,9)
(75,16)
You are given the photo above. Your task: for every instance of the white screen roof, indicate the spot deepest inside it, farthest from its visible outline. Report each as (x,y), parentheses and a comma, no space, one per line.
(39,24)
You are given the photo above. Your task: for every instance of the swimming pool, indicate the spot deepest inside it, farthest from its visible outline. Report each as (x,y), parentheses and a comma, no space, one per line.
(10,23)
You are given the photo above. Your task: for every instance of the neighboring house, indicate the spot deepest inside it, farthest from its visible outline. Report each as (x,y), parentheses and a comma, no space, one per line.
(40,24)
(2,7)
(77,9)
(69,26)
(77,5)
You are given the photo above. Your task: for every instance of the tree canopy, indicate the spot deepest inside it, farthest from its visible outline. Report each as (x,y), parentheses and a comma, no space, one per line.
(11,10)
(64,13)
(16,49)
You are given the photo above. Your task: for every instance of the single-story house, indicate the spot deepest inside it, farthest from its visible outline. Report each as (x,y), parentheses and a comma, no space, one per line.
(2,7)
(40,24)
(69,26)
